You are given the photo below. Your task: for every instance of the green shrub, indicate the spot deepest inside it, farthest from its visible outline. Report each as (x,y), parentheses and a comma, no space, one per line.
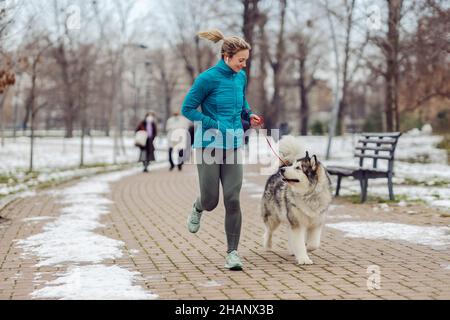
(440,123)
(410,121)
(445,144)
(318,128)
(374,122)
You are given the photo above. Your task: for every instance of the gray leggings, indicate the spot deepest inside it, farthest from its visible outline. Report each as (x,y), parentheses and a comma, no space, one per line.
(231,177)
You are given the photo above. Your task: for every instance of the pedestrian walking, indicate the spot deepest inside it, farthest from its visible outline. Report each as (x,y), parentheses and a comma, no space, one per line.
(177,128)
(148,128)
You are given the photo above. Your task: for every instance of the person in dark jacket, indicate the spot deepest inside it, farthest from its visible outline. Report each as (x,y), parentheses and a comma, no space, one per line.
(148,152)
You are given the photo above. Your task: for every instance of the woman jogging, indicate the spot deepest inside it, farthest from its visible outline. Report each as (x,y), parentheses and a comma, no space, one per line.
(220,91)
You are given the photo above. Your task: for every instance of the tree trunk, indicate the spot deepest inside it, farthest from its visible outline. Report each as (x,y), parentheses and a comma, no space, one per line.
(345,80)
(83,92)
(304,104)
(30,169)
(388,107)
(335,111)
(250,20)
(69,107)
(167,102)
(26,118)
(277,66)
(16,110)
(68,121)
(2,103)
(198,55)
(392,67)
(83,130)
(276,103)
(263,54)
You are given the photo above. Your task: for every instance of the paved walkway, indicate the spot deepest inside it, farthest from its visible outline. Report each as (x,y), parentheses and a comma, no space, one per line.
(148,214)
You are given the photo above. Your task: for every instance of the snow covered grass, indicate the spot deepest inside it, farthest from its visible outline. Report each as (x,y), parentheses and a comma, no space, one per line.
(60,153)
(72,239)
(96,282)
(435,237)
(57,160)
(421,169)
(24,182)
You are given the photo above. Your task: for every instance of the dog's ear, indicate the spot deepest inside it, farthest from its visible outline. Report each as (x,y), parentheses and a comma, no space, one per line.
(307,156)
(314,163)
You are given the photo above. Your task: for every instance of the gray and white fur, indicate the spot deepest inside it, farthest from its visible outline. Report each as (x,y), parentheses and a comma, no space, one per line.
(298,195)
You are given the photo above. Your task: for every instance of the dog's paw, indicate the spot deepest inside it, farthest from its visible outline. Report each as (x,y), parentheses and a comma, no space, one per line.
(312,247)
(304,260)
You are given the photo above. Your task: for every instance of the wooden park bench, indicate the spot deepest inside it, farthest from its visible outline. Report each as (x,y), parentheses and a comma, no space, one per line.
(375,146)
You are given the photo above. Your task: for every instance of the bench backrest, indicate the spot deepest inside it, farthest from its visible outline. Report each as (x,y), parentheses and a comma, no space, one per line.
(377,146)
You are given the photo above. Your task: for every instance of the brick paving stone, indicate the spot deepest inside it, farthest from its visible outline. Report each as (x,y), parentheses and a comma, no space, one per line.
(148,213)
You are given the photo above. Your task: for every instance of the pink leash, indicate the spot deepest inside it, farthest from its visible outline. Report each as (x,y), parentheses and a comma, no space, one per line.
(270,145)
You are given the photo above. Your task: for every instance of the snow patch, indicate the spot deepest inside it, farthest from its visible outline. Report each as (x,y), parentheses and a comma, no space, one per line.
(343,216)
(97,282)
(333,207)
(435,237)
(37,219)
(71,238)
(210,284)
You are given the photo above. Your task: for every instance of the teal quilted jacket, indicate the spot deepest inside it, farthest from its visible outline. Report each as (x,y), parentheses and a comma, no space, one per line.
(220,94)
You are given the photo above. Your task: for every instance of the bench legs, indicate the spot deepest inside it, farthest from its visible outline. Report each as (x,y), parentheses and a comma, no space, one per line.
(364,182)
(338,186)
(391,188)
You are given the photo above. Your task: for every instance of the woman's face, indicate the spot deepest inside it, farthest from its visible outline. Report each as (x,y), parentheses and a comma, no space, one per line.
(238,61)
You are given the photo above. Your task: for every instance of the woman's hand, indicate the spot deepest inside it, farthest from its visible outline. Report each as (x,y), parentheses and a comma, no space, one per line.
(256,121)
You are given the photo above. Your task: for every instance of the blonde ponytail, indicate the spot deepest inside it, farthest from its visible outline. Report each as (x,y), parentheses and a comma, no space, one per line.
(231,45)
(213,35)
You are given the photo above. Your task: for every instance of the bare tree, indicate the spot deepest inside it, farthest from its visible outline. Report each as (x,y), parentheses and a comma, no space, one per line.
(391,49)
(7,76)
(277,63)
(7,79)
(88,57)
(306,75)
(92,81)
(65,57)
(250,21)
(335,111)
(8,10)
(35,51)
(349,8)
(304,59)
(189,18)
(263,46)
(168,79)
(389,44)
(426,70)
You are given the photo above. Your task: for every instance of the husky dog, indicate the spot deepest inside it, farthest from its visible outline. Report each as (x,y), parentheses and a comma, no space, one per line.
(298,195)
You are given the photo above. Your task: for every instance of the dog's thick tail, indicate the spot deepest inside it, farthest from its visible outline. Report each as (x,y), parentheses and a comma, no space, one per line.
(290,149)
